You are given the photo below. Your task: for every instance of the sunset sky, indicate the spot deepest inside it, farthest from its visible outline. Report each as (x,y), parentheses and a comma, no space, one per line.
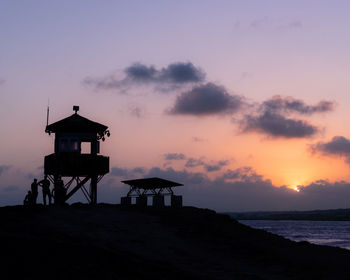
(244,102)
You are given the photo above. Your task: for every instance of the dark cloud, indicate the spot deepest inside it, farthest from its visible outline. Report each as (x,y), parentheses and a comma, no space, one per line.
(209,167)
(192,178)
(138,170)
(272,118)
(127,173)
(338,146)
(216,166)
(177,73)
(174,156)
(286,105)
(172,76)
(245,173)
(182,73)
(141,73)
(207,99)
(194,162)
(275,125)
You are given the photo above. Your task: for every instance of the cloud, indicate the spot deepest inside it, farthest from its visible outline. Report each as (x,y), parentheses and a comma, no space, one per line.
(136,111)
(2,81)
(295,24)
(207,99)
(338,146)
(287,105)
(141,73)
(192,178)
(245,173)
(4,168)
(216,166)
(275,125)
(272,117)
(11,189)
(197,139)
(177,73)
(173,76)
(260,22)
(127,173)
(105,83)
(182,73)
(275,23)
(174,156)
(209,167)
(243,189)
(11,195)
(193,162)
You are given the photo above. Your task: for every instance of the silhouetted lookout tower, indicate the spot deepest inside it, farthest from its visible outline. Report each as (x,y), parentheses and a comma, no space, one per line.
(155,187)
(68,160)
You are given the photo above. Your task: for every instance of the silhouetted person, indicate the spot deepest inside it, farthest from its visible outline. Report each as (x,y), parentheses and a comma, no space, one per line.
(28,200)
(34,188)
(60,191)
(45,184)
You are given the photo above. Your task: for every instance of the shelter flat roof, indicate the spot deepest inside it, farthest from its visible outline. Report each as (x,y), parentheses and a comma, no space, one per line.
(151,183)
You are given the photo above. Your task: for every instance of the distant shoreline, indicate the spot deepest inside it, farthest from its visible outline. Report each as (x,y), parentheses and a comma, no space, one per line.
(313,215)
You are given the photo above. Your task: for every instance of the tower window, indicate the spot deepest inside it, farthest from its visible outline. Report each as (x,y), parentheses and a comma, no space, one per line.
(74,145)
(68,144)
(64,145)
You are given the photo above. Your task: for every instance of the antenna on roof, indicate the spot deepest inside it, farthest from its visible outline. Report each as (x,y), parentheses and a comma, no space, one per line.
(47,116)
(48,112)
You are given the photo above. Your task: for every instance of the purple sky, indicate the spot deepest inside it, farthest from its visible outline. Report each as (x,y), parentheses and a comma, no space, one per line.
(245,102)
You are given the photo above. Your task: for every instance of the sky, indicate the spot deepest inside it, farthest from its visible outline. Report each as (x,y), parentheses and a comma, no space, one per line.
(244,102)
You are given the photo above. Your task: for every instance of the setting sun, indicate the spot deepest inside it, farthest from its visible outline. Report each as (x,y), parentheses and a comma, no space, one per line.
(295,187)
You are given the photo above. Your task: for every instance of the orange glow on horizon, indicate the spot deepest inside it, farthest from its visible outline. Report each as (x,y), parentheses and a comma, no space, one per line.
(295,187)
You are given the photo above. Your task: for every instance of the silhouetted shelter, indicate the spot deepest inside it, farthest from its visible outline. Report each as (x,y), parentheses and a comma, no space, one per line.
(155,187)
(68,159)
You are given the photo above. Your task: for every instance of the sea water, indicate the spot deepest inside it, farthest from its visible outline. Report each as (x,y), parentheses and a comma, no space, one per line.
(333,233)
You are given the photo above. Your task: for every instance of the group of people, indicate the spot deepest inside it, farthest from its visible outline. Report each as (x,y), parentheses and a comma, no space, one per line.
(58,193)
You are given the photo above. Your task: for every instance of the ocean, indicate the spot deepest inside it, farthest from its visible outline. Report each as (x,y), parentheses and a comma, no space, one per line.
(331,233)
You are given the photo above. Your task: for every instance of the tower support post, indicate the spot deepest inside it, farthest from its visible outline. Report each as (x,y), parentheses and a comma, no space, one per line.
(93,190)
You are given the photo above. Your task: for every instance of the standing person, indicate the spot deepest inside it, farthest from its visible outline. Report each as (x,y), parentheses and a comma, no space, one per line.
(45,184)
(34,188)
(60,191)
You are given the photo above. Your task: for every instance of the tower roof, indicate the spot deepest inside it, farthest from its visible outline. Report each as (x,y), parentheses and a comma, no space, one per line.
(76,123)
(151,183)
